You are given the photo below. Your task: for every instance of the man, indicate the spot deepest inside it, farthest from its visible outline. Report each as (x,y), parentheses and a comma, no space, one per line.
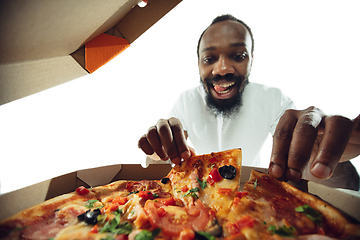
(227,111)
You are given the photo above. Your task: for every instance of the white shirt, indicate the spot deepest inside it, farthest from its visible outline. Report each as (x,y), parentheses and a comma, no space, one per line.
(258,116)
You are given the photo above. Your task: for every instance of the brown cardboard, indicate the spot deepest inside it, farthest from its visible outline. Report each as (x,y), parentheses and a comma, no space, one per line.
(18,200)
(42,41)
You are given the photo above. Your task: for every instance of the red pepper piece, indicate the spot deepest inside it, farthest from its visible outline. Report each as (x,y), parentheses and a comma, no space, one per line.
(82,190)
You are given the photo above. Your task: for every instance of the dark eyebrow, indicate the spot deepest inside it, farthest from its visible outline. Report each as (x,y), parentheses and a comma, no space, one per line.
(208,49)
(238,45)
(231,45)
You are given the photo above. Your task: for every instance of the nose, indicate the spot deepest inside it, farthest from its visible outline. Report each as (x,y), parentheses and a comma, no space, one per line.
(222,67)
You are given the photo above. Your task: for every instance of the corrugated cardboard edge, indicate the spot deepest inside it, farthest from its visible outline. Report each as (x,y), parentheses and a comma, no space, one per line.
(22,79)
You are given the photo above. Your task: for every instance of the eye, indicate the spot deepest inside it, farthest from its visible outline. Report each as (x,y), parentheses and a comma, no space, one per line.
(208,60)
(240,56)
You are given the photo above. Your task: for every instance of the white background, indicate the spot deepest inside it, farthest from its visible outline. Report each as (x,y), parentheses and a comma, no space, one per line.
(309,49)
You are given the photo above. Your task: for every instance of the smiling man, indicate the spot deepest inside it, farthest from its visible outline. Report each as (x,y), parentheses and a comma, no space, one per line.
(225,59)
(227,111)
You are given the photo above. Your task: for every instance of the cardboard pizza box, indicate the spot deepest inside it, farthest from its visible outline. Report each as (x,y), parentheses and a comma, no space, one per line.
(13,202)
(43,42)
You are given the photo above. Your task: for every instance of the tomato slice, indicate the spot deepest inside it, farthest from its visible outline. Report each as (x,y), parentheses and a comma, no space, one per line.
(174,219)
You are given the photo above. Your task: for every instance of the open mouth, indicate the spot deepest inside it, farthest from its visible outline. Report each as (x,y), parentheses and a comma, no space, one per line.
(223,88)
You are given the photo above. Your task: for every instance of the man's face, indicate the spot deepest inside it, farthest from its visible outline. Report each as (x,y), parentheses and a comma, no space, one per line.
(224,65)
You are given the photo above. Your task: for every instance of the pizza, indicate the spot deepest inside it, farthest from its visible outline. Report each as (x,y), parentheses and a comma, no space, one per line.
(198,199)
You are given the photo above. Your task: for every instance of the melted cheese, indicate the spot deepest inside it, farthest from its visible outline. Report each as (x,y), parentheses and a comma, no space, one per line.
(79,231)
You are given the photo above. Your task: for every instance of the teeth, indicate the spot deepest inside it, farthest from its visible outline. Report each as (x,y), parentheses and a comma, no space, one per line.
(222,92)
(224,85)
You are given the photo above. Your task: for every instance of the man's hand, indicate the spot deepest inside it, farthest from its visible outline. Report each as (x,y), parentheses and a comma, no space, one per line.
(310,135)
(168,140)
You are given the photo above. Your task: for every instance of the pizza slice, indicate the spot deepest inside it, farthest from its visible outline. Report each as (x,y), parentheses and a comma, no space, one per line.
(211,179)
(270,209)
(45,220)
(147,208)
(122,213)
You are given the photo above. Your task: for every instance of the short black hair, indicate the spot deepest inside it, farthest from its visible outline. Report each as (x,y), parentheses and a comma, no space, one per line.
(226,17)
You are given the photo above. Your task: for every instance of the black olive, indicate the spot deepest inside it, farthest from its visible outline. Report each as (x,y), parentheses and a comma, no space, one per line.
(81,217)
(165,180)
(227,172)
(91,217)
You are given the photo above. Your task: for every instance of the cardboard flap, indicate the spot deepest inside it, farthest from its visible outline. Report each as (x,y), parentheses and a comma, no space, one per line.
(346,200)
(102,49)
(99,176)
(35,33)
(18,200)
(136,172)
(18,80)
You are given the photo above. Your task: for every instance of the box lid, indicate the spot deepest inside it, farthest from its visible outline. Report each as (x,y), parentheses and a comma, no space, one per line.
(42,42)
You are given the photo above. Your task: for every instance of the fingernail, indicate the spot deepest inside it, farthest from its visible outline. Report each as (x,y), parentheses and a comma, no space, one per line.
(176,160)
(276,170)
(321,170)
(294,175)
(185,155)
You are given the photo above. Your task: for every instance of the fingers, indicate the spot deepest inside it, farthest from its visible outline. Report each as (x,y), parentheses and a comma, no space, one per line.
(306,134)
(281,143)
(167,139)
(336,136)
(145,145)
(302,143)
(167,142)
(181,149)
(294,139)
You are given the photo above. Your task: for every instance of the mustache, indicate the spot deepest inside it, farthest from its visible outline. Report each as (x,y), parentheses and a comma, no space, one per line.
(227,77)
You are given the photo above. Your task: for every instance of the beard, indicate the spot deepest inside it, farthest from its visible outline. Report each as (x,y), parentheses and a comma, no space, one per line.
(225,107)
